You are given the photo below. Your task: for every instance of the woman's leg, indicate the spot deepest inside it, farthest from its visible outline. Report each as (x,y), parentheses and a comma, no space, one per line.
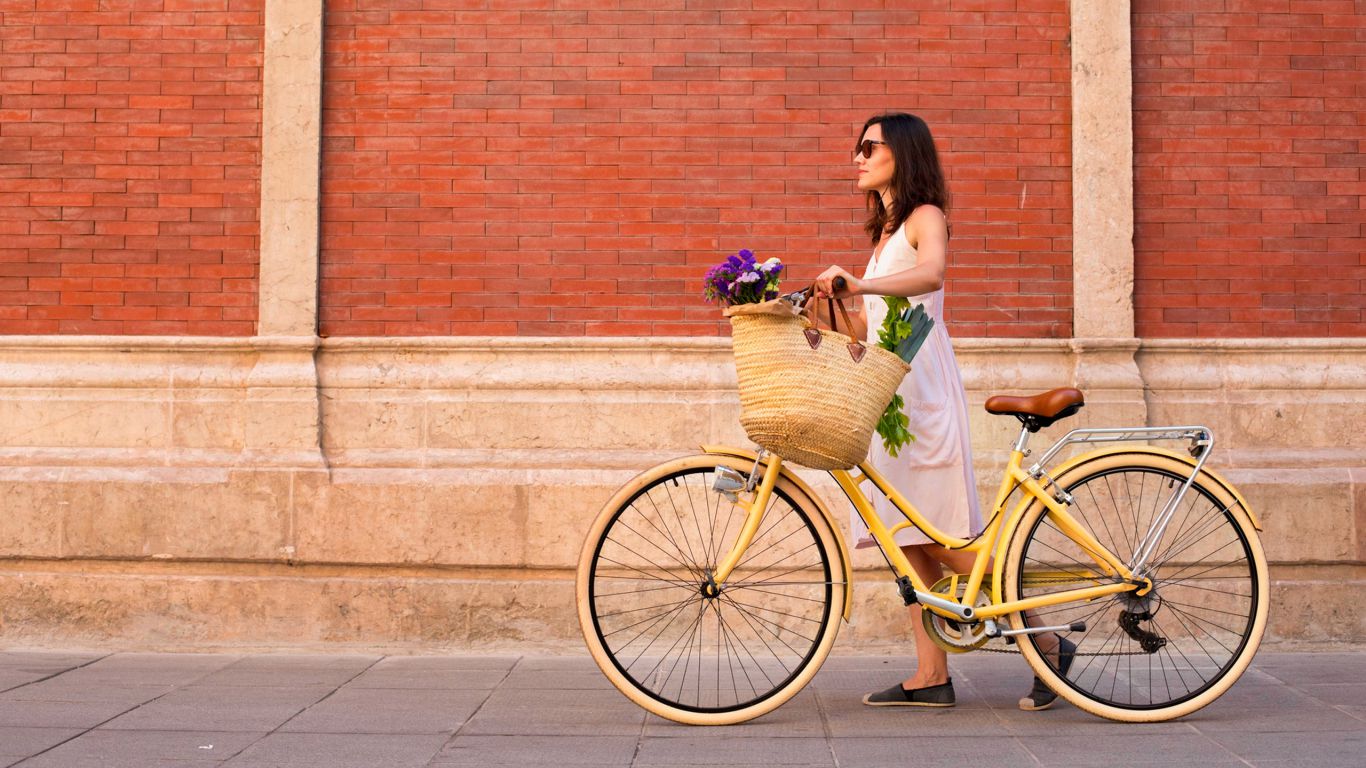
(932,663)
(959,561)
(1049,644)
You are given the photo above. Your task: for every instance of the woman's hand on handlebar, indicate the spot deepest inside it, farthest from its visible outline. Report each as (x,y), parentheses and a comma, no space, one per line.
(847,286)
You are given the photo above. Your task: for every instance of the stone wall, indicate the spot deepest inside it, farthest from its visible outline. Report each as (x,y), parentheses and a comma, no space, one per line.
(431,493)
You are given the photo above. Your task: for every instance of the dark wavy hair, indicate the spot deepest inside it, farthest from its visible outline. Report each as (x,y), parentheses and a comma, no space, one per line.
(918,178)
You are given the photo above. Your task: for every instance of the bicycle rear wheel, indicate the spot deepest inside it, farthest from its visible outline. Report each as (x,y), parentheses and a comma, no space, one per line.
(1165,655)
(680,647)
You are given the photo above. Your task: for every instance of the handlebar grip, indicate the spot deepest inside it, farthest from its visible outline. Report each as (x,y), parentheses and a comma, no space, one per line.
(839,284)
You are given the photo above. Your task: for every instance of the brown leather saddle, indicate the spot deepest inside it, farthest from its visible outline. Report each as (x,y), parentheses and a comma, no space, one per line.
(1038,411)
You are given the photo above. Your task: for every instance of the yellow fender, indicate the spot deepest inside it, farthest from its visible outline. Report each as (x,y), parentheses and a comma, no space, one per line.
(785,473)
(1062,469)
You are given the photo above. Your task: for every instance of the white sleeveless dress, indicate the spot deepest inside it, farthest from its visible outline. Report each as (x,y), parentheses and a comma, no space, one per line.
(934,472)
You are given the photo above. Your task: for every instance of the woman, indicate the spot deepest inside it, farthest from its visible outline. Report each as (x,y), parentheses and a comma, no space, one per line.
(899,170)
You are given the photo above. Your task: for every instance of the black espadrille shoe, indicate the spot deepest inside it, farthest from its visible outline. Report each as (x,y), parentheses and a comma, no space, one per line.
(1040,696)
(896,696)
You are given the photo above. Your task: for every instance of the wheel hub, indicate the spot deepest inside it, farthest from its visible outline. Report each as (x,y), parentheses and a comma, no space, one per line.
(709,589)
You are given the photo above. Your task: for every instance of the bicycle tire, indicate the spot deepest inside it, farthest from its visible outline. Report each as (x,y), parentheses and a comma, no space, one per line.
(1180,648)
(733,656)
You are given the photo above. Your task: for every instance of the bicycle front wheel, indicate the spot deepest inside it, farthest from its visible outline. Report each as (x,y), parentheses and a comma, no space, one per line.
(1175,650)
(682,647)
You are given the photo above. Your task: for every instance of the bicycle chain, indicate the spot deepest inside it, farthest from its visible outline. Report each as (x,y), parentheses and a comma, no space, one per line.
(1059,580)
(985,649)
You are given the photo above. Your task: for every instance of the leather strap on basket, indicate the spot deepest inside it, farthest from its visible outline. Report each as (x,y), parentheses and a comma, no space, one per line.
(813,335)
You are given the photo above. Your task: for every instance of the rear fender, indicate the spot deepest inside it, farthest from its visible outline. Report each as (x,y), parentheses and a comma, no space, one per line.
(1061,470)
(1185,458)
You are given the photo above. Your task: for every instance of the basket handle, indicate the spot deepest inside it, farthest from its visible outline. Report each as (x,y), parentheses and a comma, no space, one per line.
(813,335)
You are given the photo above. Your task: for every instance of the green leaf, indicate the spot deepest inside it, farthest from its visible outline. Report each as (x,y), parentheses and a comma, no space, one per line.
(892,427)
(907,348)
(903,331)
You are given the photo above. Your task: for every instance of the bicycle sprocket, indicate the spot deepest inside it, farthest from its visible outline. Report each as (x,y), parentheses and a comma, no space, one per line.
(952,635)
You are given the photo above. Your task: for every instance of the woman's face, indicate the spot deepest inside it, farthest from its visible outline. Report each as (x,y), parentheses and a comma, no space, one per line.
(875,168)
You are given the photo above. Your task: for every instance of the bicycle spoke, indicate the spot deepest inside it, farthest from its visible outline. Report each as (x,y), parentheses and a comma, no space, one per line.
(681,647)
(647,574)
(1199,612)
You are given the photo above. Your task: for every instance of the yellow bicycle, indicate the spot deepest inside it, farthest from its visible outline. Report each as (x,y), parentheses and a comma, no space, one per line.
(710,588)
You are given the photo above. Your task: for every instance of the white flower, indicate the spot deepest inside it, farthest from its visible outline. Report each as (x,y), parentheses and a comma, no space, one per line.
(748,277)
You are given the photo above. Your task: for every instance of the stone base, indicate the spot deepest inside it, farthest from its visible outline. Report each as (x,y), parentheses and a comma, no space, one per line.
(122,606)
(426,495)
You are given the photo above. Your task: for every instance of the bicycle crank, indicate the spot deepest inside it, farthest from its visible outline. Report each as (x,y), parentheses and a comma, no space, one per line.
(953,635)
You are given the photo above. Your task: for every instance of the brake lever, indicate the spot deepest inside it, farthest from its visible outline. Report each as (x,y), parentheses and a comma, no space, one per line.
(799,298)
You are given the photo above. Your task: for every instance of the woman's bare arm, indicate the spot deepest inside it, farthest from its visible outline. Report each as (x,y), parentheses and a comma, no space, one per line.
(930,236)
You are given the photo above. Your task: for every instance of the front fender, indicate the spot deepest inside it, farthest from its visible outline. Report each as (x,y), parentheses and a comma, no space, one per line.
(846,564)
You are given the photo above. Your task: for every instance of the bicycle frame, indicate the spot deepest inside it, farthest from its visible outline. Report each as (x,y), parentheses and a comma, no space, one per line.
(992,542)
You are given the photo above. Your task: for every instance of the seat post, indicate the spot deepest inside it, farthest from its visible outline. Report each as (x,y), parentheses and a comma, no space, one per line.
(1023,441)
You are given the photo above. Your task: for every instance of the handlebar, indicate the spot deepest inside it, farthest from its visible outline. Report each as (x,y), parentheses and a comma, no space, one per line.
(798,298)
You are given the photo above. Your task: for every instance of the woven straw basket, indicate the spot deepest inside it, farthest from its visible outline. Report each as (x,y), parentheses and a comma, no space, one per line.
(813,406)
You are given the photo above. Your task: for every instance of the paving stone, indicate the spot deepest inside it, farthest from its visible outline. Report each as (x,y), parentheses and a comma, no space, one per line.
(18,669)
(280,671)
(1296,711)
(900,751)
(510,712)
(1301,709)
(440,663)
(579,663)
(1065,718)
(59,714)
(1342,750)
(1356,712)
(1127,749)
(847,716)
(455,673)
(287,750)
(62,689)
(723,749)
(135,749)
(231,708)
(384,710)
(558,680)
(16,742)
(799,717)
(1312,668)
(47,659)
(521,751)
(149,669)
(1339,694)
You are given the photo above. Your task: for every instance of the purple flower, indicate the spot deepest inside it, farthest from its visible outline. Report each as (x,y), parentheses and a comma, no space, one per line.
(740,279)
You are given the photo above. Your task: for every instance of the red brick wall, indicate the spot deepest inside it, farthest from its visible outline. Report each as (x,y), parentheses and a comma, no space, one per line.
(129,166)
(1249,122)
(536,171)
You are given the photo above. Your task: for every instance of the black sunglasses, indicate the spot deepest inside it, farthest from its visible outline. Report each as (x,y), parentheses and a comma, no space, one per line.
(865,147)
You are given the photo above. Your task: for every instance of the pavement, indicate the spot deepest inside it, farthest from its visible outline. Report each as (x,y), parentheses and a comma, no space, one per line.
(144,710)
